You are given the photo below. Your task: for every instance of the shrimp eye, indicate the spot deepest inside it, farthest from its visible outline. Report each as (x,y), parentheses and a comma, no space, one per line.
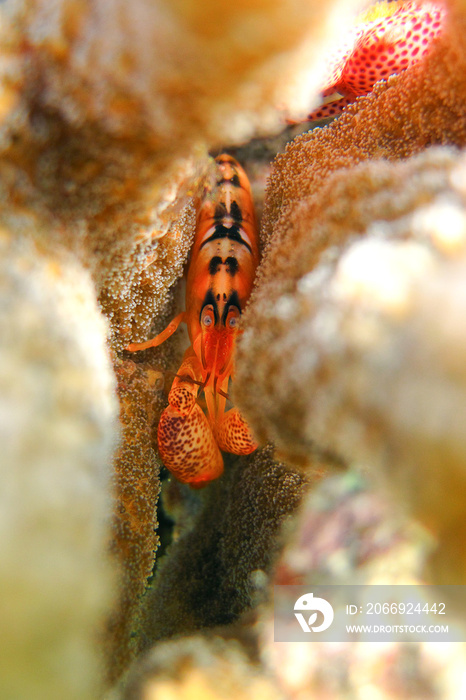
(233,317)
(207,317)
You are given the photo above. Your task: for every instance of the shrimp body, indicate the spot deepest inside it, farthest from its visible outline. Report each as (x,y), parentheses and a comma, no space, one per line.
(220,276)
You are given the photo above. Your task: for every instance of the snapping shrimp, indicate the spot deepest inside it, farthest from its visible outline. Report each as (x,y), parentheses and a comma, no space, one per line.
(220,276)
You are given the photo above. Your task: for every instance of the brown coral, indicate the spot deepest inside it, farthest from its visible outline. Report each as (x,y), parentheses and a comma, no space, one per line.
(175,74)
(220,567)
(137,490)
(362,306)
(369,371)
(108,112)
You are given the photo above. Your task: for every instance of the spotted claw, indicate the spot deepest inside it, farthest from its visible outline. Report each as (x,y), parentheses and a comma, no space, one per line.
(186,442)
(233,434)
(187,446)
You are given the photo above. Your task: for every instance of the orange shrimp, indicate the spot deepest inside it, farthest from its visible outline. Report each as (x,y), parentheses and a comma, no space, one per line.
(220,275)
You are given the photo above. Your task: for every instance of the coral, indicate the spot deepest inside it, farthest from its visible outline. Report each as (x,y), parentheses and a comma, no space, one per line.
(127,216)
(342,532)
(219,567)
(418,108)
(341,354)
(344,208)
(346,533)
(177,73)
(57,428)
(137,490)
(357,362)
(343,671)
(137,289)
(107,113)
(142,388)
(199,667)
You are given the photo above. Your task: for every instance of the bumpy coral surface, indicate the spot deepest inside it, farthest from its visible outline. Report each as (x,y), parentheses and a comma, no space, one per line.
(137,490)
(357,360)
(57,435)
(220,566)
(176,73)
(107,113)
(137,288)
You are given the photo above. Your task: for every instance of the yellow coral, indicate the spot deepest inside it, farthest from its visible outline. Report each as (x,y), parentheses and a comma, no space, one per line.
(57,427)
(235,534)
(177,73)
